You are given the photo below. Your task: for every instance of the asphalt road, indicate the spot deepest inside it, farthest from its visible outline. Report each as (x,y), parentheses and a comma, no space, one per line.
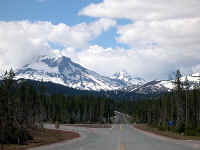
(121,136)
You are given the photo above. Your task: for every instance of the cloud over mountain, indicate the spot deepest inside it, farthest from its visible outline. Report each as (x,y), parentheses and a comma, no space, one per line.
(162,36)
(23,40)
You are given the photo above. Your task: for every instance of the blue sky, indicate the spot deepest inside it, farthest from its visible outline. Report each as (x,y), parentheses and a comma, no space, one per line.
(57,11)
(47,10)
(106,36)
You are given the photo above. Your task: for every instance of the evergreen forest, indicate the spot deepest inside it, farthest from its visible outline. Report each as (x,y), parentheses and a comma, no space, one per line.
(24,107)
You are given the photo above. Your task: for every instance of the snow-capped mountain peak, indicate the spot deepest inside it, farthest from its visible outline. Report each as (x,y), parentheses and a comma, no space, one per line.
(161,86)
(63,70)
(122,75)
(128,79)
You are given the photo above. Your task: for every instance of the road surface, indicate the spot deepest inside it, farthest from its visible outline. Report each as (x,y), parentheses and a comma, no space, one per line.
(121,136)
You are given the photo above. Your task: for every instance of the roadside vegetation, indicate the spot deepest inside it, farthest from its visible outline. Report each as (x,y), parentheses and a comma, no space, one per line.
(166,133)
(177,111)
(24,108)
(43,137)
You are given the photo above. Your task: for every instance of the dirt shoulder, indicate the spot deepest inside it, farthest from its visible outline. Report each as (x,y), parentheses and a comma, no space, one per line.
(90,125)
(168,134)
(44,137)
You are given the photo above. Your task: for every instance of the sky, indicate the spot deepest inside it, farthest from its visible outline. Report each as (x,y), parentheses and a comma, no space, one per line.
(147,38)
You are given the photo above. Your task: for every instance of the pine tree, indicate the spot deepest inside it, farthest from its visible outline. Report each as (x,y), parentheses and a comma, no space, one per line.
(180,107)
(186,86)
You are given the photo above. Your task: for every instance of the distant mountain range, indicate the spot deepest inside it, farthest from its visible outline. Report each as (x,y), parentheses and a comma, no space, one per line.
(128,79)
(62,70)
(161,86)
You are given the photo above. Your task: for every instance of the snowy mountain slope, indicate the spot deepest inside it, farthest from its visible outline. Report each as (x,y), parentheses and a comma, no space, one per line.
(63,71)
(153,87)
(128,79)
(162,86)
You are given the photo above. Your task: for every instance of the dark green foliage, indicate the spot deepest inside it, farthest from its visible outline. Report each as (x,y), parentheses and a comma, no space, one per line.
(180,106)
(77,109)
(53,88)
(16,135)
(24,106)
(18,110)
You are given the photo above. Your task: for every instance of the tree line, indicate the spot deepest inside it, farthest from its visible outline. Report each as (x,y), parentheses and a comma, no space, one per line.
(24,107)
(178,110)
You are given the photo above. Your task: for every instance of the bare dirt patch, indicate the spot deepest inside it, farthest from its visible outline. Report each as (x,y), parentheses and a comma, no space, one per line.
(44,137)
(90,125)
(168,134)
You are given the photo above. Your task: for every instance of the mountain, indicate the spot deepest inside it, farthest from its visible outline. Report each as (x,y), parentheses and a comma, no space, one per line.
(62,70)
(128,79)
(162,86)
(154,87)
(193,79)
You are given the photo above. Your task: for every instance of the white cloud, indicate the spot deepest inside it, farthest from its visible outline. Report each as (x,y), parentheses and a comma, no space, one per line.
(163,35)
(173,23)
(147,63)
(22,40)
(180,34)
(79,35)
(143,9)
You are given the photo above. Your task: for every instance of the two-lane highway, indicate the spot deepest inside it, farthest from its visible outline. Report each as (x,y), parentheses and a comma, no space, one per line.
(120,137)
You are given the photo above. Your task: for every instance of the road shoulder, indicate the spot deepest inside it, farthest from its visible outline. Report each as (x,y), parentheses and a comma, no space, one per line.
(167,134)
(43,137)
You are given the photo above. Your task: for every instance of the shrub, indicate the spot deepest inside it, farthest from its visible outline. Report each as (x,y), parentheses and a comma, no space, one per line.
(191,132)
(161,128)
(16,136)
(181,128)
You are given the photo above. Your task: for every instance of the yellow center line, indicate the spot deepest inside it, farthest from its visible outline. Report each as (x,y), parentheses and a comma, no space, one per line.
(121,127)
(120,146)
